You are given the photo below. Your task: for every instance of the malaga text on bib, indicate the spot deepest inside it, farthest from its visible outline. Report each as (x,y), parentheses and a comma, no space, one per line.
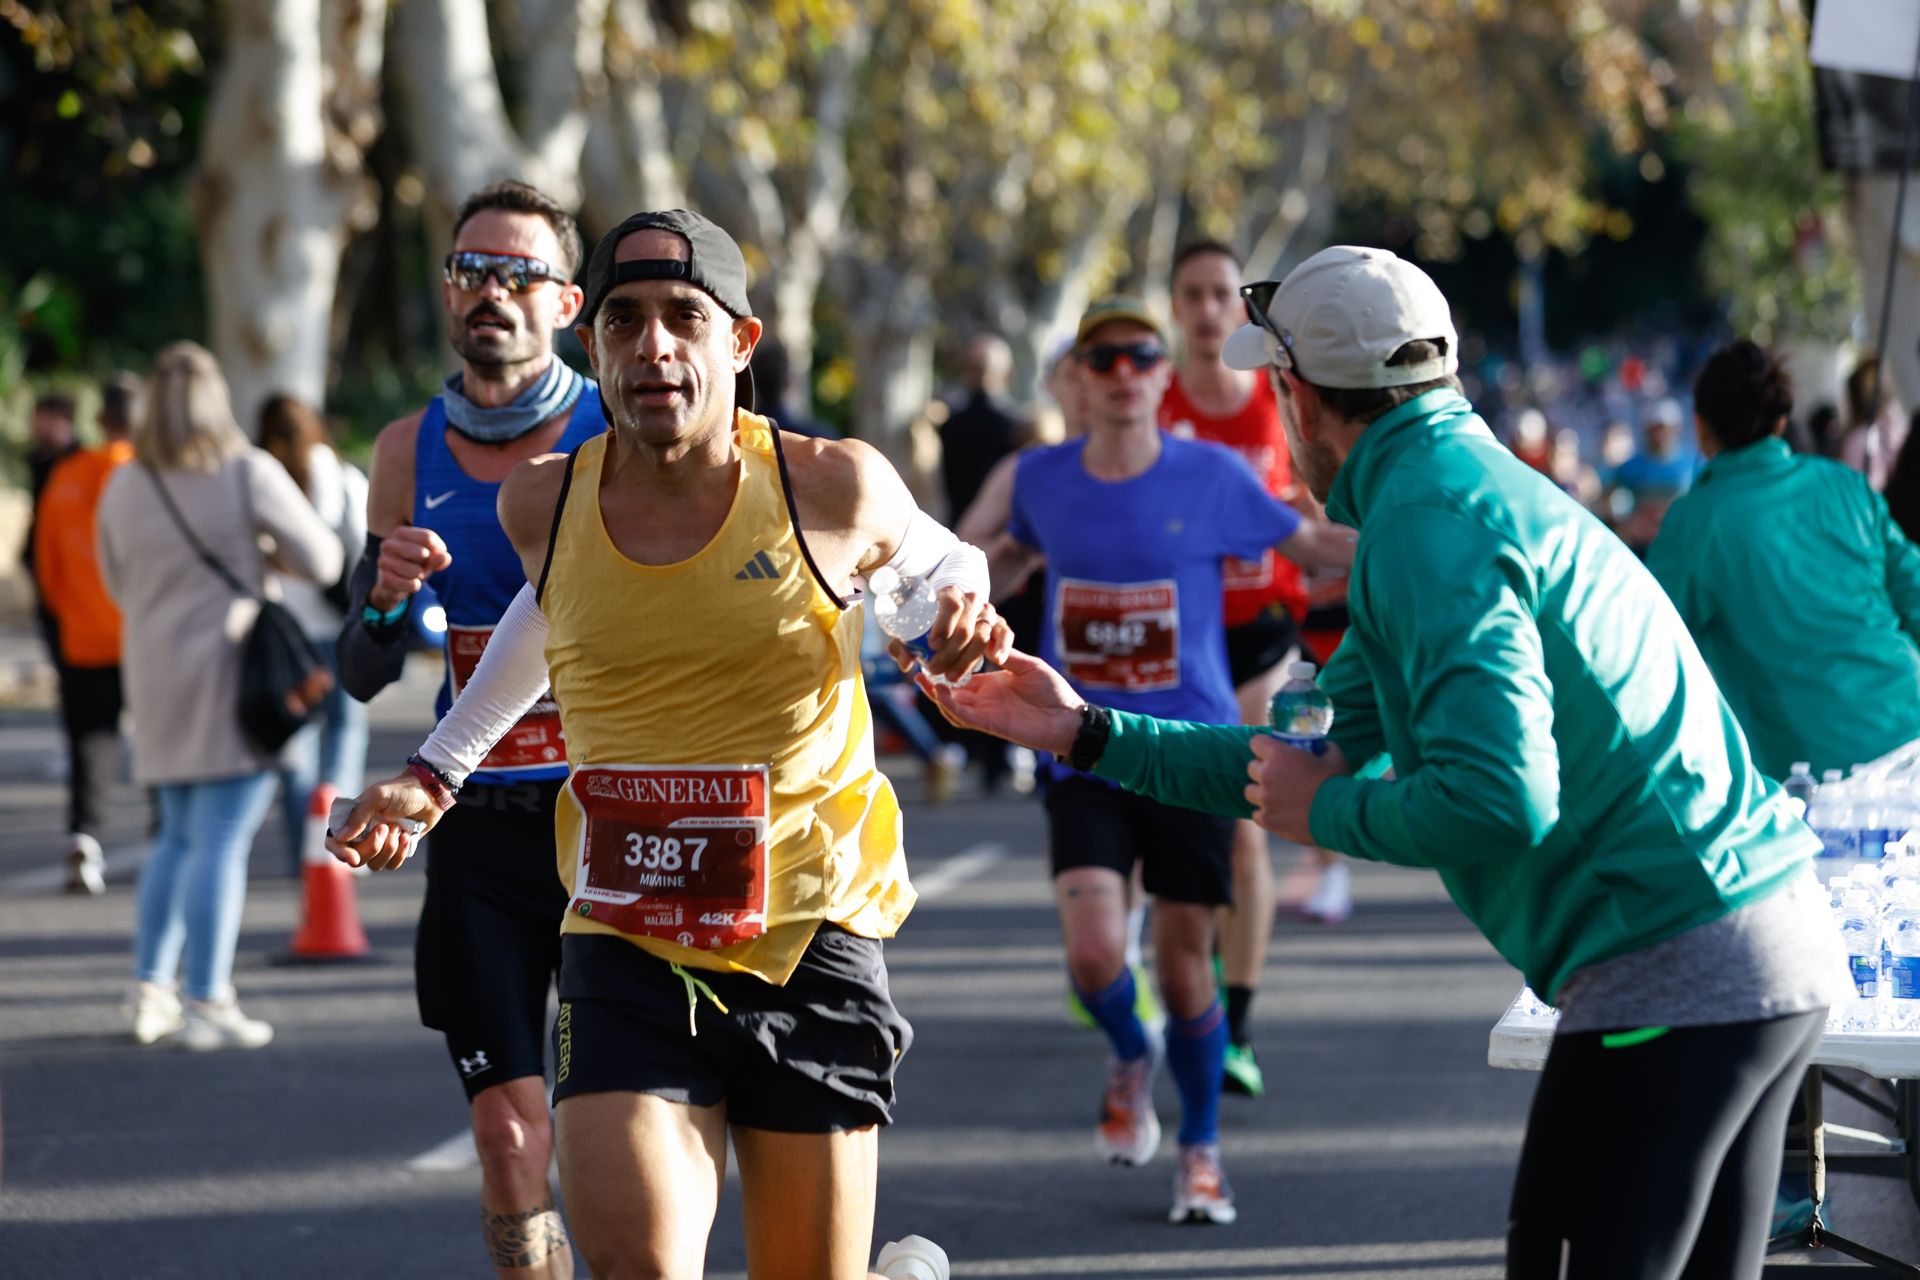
(535,741)
(677,852)
(1119,636)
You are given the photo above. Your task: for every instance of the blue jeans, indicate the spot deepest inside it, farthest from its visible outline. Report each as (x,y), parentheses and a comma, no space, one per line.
(195,882)
(334,749)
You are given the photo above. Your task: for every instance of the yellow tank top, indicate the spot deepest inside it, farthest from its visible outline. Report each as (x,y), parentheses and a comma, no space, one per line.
(735,657)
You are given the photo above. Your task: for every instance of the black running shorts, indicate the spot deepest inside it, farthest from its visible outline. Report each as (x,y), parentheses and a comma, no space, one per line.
(1259,645)
(1187,855)
(489,940)
(815,1056)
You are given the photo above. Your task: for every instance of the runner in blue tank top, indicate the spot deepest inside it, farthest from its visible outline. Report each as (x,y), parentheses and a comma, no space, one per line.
(1133,525)
(489,939)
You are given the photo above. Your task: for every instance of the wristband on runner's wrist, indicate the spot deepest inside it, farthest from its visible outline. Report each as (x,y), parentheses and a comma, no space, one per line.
(443,790)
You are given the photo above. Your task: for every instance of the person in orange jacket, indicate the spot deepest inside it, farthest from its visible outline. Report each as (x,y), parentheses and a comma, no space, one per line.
(67,566)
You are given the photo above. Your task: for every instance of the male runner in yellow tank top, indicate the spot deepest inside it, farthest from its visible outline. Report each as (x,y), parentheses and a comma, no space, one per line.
(732,856)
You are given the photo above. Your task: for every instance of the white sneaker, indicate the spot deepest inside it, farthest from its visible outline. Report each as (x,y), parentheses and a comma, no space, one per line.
(914,1258)
(156,1011)
(1129,1131)
(86,865)
(219,1024)
(1332,899)
(1200,1190)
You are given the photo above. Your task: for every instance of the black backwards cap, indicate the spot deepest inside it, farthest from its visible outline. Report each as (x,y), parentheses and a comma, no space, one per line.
(713,265)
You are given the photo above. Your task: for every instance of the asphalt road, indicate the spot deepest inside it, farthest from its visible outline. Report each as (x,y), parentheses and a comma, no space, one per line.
(1384,1149)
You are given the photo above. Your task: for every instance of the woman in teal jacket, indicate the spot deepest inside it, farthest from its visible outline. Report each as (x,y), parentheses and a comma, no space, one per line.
(1801,591)
(1562,758)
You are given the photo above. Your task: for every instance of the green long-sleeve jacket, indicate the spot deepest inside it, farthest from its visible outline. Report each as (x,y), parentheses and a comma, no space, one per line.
(1562,756)
(1804,596)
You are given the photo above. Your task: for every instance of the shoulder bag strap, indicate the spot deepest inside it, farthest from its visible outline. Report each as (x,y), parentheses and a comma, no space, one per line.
(206,557)
(553,533)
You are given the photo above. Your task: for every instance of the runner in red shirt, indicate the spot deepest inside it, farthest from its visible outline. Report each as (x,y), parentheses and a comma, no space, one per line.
(1264,601)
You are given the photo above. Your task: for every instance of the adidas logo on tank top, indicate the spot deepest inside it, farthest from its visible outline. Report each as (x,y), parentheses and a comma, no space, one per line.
(760,568)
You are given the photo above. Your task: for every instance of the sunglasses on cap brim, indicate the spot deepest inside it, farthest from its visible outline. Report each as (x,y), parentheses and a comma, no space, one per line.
(1259,296)
(470,269)
(1142,356)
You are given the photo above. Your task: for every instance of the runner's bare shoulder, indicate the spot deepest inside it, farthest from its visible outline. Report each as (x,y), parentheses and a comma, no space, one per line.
(390,482)
(527,499)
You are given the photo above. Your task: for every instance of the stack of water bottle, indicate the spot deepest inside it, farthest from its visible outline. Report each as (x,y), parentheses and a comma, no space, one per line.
(1870,852)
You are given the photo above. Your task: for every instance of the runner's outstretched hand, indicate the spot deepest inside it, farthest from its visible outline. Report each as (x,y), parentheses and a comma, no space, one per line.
(1026,701)
(371,834)
(966,630)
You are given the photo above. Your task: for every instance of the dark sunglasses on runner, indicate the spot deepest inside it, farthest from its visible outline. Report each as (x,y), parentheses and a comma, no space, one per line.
(470,269)
(1141,355)
(1258,296)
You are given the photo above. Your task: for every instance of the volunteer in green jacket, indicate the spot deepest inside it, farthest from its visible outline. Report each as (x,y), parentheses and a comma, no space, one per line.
(1801,591)
(1561,757)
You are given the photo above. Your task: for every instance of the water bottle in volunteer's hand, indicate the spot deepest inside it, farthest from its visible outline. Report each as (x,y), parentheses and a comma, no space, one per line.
(905,609)
(1301,714)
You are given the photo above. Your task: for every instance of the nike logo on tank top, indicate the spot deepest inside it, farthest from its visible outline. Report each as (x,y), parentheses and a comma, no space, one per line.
(715,714)
(482,581)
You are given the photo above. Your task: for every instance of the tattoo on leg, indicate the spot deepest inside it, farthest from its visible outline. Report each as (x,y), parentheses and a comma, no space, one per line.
(524,1239)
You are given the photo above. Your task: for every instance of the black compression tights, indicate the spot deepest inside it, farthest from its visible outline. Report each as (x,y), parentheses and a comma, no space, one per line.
(1657,1159)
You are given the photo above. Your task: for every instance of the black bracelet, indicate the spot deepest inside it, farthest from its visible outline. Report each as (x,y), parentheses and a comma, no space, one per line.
(1096,725)
(439,775)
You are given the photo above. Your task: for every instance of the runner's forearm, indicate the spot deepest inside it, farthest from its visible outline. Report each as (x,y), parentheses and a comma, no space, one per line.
(370,657)
(1177,762)
(511,677)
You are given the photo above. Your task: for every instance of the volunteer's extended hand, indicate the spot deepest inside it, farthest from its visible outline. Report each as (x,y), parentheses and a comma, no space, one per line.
(1026,702)
(1284,782)
(370,835)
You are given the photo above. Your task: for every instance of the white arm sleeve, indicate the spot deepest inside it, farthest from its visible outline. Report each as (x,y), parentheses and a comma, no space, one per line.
(928,549)
(510,678)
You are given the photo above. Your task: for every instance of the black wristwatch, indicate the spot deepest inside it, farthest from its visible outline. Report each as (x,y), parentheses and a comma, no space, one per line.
(1096,726)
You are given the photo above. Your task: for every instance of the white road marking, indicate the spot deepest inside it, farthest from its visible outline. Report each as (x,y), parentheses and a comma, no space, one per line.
(458,1153)
(455,1153)
(950,873)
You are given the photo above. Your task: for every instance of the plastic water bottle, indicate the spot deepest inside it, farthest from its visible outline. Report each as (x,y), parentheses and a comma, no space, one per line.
(1301,714)
(905,609)
(1903,956)
(1860,931)
(1801,786)
(1873,820)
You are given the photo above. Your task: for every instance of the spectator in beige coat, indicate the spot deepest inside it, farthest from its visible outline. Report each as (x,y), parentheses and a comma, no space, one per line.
(181,657)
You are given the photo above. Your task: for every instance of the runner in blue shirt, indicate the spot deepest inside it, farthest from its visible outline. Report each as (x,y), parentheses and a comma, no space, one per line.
(1133,525)
(489,938)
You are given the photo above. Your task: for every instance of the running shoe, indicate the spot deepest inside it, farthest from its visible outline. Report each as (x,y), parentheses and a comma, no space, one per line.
(1129,1131)
(1200,1190)
(156,1013)
(1242,1072)
(944,771)
(219,1024)
(1332,900)
(86,866)
(913,1258)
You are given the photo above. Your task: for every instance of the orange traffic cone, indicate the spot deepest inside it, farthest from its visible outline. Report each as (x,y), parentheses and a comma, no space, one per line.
(329,920)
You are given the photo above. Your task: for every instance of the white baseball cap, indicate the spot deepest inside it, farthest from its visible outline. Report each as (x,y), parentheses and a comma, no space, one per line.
(1339,316)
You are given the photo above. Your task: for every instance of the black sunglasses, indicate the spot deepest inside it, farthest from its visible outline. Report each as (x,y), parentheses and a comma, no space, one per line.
(470,270)
(1258,296)
(1142,356)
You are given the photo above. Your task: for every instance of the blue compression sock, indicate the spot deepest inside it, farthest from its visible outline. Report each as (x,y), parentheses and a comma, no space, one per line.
(1112,1010)
(1196,1047)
